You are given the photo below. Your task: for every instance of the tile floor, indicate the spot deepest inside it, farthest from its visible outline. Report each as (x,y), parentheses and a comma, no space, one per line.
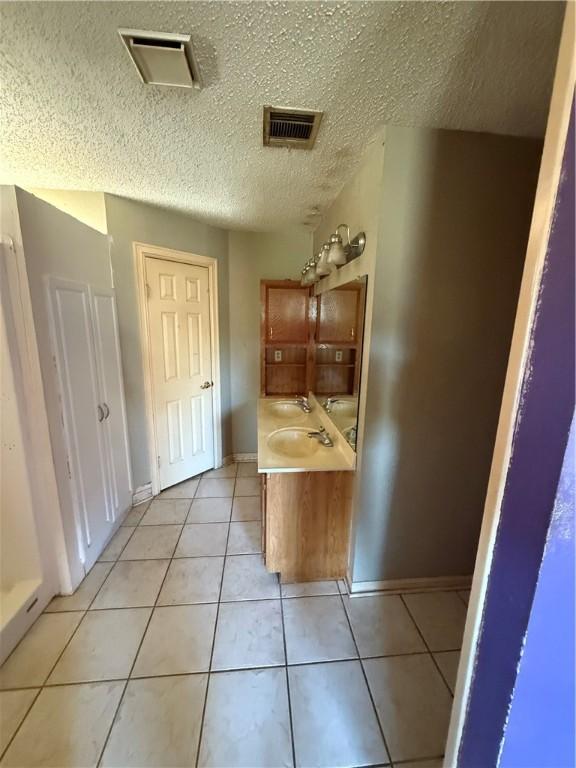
(180,649)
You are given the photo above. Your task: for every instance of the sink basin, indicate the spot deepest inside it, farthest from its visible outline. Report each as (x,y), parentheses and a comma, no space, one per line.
(293,442)
(285,409)
(344,408)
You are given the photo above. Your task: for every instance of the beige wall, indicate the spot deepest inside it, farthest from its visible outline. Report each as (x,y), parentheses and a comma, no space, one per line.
(130,221)
(87,207)
(451,212)
(255,256)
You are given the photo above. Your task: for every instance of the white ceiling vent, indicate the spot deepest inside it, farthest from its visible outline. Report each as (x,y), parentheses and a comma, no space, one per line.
(162,58)
(295,128)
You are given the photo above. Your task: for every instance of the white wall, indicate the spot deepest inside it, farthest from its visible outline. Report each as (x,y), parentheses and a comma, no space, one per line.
(255,256)
(87,207)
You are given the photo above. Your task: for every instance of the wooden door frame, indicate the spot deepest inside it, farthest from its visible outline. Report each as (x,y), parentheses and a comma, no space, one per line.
(542,217)
(141,250)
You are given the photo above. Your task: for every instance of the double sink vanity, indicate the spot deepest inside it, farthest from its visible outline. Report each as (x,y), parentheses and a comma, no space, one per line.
(306,443)
(307,469)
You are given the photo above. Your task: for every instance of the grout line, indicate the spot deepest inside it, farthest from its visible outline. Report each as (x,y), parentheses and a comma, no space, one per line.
(366,682)
(21,723)
(287,678)
(428,648)
(121,699)
(201,730)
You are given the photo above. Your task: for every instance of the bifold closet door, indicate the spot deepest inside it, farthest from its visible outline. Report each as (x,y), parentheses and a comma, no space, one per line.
(109,364)
(70,304)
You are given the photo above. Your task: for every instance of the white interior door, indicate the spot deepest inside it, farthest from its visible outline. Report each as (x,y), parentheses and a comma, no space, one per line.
(79,395)
(180,361)
(112,395)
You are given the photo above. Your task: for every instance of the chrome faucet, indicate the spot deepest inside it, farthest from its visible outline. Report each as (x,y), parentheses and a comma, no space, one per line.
(302,402)
(329,402)
(322,436)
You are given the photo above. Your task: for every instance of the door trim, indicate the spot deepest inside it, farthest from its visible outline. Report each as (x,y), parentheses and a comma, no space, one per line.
(141,250)
(510,409)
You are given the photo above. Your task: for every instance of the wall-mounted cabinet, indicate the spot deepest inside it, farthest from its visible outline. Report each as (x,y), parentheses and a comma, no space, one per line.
(311,343)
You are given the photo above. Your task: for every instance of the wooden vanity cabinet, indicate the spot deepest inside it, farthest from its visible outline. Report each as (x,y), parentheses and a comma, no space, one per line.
(306,524)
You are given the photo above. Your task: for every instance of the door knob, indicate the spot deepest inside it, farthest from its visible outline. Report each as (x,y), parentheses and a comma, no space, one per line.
(207,385)
(100,413)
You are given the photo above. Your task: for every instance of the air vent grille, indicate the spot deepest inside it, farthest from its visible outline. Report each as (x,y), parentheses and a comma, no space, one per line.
(162,58)
(296,128)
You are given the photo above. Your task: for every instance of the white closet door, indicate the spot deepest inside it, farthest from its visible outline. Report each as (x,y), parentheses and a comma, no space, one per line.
(112,396)
(78,385)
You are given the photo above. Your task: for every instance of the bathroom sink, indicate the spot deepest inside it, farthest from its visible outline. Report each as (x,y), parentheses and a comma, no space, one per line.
(344,408)
(292,442)
(285,409)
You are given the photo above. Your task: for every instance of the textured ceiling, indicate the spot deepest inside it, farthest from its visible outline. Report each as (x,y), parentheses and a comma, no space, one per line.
(74,115)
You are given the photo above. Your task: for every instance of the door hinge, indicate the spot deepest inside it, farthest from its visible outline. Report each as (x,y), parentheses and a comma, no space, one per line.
(158,459)
(148,291)
(68,467)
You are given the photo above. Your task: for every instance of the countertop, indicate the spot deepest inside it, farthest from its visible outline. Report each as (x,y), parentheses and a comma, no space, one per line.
(339,458)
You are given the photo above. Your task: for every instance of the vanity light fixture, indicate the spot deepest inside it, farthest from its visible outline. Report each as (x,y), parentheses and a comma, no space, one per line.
(323,268)
(338,253)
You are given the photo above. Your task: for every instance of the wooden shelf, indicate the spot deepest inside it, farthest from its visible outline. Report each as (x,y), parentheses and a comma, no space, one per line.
(335,365)
(285,365)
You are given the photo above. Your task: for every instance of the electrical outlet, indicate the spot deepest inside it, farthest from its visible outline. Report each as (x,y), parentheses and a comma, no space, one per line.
(338,355)
(277,355)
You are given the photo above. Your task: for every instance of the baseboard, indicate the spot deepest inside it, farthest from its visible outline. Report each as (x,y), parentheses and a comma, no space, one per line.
(392,586)
(240,457)
(142,493)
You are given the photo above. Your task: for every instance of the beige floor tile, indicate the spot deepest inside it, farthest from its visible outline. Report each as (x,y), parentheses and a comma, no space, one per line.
(185,490)
(247,722)
(178,640)
(333,717)
(202,539)
(448,662)
(116,545)
(152,542)
(221,488)
(310,589)
(103,648)
(245,508)
(440,617)
(245,539)
(317,630)
(227,471)
(246,578)
(192,580)
(135,515)
(249,634)
(66,727)
(32,660)
(85,593)
(413,705)
(247,486)
(382,626)
(132,584)
(210,511)
(248,469)
(166,512)
(13,707)
(158,723)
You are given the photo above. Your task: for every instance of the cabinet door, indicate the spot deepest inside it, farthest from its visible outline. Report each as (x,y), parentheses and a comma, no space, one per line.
(287,315)
(79,394)
(109,365)
(338,317)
